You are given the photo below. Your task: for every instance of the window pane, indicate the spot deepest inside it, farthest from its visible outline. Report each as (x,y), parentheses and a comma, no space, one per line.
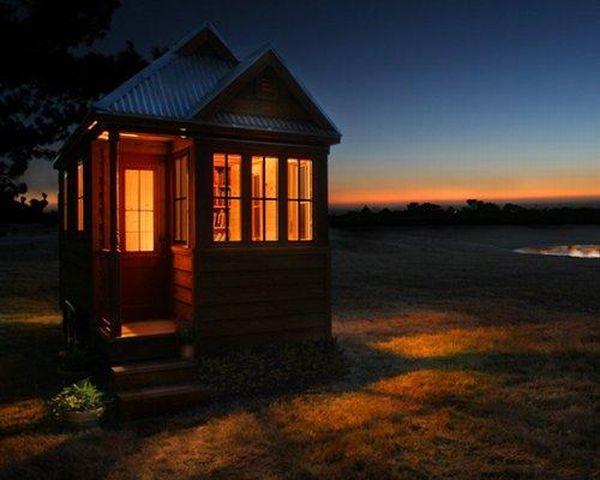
(219,221)
(65,201)
(271,177)
(235,220)
(234,165)
(292,179)
(146,241)
(219,175)
(184,222)
(271,219)
(80,221)
(80,214)
(132,192)
(305,179)
(257,220)
(257,177)
(177,178)
(132,221)
(184,177)
(292,220)
(305,221)
(132,241)
(80,179)
(139,210)
(146,221)
(146,190)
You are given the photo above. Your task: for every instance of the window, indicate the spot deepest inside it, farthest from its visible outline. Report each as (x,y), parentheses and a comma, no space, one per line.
(227,197)
(264,199)
(139,210)
(300,199)
(65,202)
(80,213)
(180,225)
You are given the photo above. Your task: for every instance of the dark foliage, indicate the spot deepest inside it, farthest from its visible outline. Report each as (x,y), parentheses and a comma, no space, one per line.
(273,368)
(49,77)
(475,212)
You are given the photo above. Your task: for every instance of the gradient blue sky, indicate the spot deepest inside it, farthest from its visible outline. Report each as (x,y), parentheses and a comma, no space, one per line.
(437,100)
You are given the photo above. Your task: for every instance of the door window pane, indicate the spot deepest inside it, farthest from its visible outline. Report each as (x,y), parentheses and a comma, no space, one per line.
(139,210)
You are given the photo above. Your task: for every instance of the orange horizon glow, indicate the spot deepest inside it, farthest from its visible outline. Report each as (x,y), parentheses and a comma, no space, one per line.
(350,195)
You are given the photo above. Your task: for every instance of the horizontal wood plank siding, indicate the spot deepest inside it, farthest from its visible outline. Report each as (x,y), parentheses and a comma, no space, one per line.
(251,295)
(182,286)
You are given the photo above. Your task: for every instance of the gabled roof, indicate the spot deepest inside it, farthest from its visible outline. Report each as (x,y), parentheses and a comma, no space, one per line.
(189,81)
(174,85)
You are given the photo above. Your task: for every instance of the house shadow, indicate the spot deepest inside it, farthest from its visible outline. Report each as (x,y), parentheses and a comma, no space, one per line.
(372,370)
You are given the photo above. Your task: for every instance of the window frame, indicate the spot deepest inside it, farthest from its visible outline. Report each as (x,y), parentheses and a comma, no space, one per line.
(178,229)
(241,197)
(155,241)
(80,196)
(299,200)
(65,201)
(264,199)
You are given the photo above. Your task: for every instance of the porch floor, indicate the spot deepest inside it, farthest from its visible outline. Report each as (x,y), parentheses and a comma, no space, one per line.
(148,327)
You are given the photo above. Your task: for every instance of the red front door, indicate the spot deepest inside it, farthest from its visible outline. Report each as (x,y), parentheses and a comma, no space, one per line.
(144,287)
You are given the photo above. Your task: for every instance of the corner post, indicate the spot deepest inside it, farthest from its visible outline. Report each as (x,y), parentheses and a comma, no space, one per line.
(115,240)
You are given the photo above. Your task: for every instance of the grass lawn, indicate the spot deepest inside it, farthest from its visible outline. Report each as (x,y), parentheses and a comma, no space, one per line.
(465,361)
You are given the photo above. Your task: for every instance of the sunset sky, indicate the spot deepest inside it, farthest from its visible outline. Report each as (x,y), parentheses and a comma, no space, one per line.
(437,100)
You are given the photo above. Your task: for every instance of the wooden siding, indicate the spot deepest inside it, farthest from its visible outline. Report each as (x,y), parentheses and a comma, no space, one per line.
(255,295)
(182,282)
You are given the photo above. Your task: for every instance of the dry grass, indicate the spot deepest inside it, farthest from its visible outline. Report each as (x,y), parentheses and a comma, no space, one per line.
(448,379)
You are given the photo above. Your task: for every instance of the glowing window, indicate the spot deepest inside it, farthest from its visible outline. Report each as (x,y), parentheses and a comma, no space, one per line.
(181,179)
(227,197)
(139,210)
(300,199)
(64,201)
(80,213)
(264,199)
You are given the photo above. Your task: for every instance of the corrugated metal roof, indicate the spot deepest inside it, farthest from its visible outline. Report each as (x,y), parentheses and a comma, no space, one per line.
(267,123)
(172,87)
(181,83)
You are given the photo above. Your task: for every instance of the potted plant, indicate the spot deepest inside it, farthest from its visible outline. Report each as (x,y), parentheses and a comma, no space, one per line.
(186,342)
(80,404)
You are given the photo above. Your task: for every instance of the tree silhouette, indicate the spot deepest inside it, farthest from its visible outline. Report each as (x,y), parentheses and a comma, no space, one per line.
(49,77)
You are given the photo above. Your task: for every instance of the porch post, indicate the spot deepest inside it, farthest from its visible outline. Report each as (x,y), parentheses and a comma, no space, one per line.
(115,241)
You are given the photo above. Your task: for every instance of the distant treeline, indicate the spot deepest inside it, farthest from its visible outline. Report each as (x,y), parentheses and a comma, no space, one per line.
(475,212)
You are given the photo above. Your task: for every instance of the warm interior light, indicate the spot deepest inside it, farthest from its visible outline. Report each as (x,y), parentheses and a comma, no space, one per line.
(227,203)
(139,210)
(264,198)
(103,135)
(300,194)
(129,135)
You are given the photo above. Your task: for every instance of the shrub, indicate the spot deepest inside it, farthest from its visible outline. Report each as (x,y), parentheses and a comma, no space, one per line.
(78,397)
(273,368)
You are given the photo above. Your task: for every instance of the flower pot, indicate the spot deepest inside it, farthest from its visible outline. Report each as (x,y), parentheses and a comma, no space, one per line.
(86,418)
(187,351)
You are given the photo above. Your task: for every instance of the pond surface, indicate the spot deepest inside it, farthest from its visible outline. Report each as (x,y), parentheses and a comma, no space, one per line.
(576,251)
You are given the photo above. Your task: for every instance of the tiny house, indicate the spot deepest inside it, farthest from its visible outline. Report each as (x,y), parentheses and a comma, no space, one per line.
(195,194)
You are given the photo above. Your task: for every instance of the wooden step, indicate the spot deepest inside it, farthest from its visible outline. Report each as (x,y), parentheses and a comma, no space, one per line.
(130,376)
(151,401)
(143,347)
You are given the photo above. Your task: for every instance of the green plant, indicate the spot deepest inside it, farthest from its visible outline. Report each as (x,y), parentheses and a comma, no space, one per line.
(78,397)
(186,335)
